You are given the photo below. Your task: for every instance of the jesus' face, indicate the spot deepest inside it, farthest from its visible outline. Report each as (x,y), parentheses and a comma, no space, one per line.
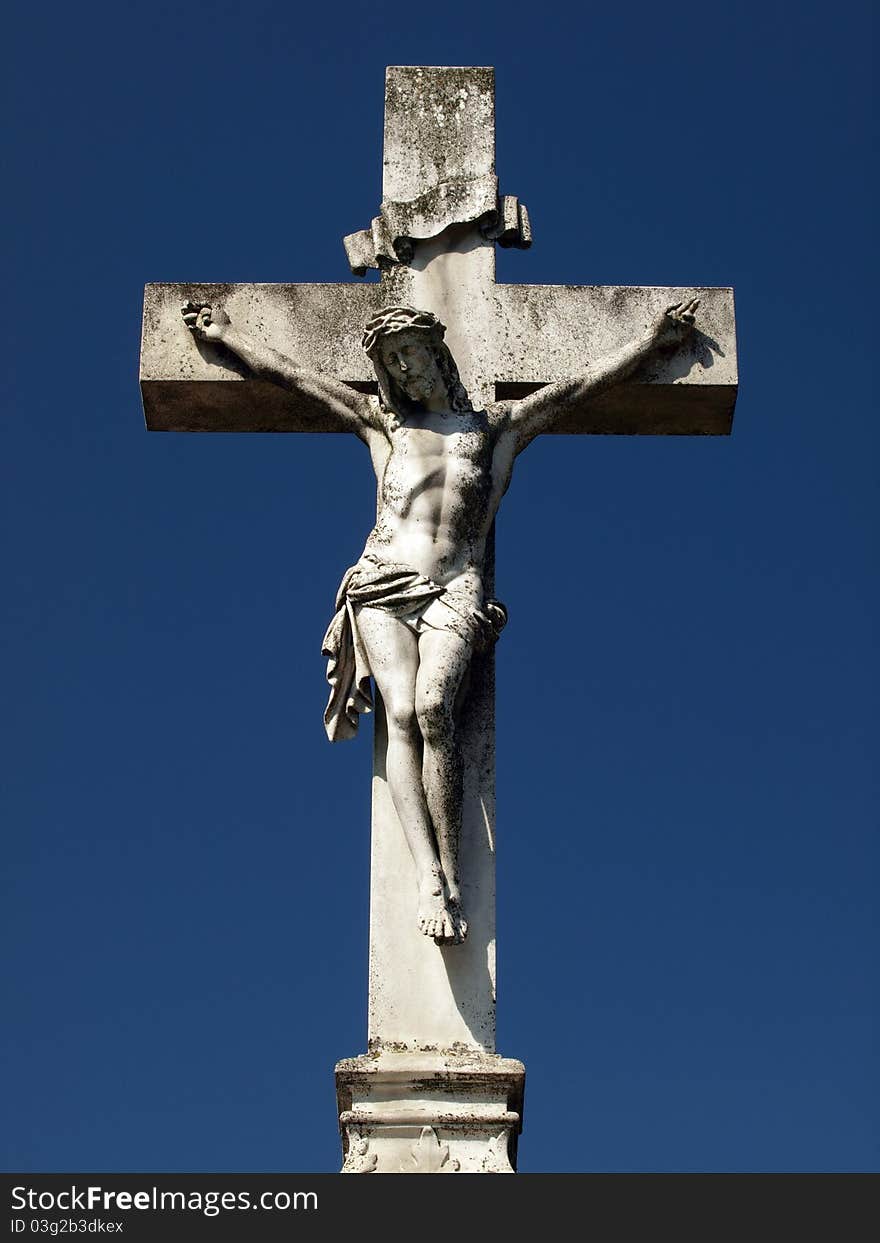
(411,361)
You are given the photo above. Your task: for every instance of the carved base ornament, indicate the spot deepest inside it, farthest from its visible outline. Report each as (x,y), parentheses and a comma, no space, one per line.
(429,1113)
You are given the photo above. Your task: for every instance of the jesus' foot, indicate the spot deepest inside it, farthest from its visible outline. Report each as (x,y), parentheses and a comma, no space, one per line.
(453,905)
(436,918)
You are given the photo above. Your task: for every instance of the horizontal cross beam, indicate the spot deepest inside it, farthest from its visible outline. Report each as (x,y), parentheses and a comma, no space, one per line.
(532,336)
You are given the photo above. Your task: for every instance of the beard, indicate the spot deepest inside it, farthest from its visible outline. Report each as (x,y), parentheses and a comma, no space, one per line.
(417,388)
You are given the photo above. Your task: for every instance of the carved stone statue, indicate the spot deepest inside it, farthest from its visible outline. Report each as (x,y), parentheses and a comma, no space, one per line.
(412,611)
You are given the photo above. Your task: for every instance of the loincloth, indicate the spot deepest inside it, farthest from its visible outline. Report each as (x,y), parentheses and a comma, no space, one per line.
(413,599)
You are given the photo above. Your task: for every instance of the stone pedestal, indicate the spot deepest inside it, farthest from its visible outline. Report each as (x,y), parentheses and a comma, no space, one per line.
(429,1113)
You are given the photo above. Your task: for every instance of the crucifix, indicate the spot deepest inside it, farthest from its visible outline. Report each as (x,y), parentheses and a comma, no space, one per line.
(446,377)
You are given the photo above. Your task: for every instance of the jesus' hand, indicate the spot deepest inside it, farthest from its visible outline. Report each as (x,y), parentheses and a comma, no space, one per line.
(205,321)
(676,323)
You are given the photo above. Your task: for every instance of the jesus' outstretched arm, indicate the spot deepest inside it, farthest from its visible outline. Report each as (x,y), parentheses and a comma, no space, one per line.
(539,411)
(350,408)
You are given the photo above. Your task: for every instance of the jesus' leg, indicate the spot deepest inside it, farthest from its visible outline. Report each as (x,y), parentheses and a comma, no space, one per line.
(393,654)
(443,661)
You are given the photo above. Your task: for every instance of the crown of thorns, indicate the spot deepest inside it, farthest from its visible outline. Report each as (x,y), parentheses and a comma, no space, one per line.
(395,319)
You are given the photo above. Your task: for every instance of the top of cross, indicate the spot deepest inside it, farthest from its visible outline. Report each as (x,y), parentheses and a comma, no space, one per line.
(434,243)
(438,166)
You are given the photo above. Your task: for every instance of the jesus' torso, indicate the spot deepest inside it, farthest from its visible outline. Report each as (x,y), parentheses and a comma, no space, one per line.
(438,492)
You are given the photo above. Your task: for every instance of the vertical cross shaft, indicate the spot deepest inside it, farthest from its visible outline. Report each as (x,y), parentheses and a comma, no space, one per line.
(437,1097)
(439,169)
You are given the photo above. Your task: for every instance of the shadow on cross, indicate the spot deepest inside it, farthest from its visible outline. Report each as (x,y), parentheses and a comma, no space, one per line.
(216,354)
(677,364)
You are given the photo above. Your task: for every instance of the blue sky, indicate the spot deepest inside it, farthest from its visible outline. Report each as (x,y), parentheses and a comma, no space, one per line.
(687,687)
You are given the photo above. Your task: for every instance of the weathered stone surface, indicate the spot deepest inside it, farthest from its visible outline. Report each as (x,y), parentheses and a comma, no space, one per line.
(439,128)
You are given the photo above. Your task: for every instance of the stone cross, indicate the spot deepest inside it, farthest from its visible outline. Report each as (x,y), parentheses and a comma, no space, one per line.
(431,1094)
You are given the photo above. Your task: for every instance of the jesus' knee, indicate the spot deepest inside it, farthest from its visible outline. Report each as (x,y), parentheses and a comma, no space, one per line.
(435,718)
(400,716)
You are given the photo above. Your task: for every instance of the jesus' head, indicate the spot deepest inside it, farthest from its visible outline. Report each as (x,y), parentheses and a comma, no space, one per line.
(412,362)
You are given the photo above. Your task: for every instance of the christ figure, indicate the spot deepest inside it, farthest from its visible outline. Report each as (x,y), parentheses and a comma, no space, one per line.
(412,611)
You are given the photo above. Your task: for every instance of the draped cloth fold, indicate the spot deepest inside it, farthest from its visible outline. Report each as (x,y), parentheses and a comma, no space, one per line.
(406,594)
